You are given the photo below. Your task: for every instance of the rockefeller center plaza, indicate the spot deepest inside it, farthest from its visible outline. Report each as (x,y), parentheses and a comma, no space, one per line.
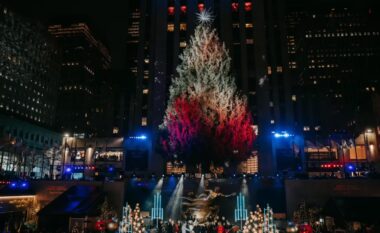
(190,116)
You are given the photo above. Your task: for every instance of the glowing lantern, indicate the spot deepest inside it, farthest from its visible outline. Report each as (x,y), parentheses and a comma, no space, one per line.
(235,6)
(183,9)
(248,6)
(171,10)
(201,7)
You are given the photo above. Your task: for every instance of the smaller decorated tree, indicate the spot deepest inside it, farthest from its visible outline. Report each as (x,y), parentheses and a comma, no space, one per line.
(255,221)
(137,220)
(268,225)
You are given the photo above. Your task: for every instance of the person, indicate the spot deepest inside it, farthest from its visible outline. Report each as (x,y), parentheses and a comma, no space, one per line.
(220,228)
(184,227)
(176,227)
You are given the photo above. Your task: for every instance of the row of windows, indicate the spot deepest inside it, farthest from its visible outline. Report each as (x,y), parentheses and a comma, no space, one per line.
(353,34)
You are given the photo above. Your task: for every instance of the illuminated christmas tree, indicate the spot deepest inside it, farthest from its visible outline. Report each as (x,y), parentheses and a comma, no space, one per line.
(137,220)
(206,114)
(125,225)
(268,224)
(255,221)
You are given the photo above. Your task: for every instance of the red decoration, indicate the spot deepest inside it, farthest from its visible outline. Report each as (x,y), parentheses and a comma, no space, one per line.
(235,6)
(248,6)
(201,7)
(305,228)
(188,127)
(100,225)
(183,9)
(171,10)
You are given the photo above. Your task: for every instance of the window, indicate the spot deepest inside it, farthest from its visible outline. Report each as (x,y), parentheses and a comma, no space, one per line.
(294,98)
(182,27)
(144,121)
(115,130)
(248,25)
(306,128)
(145,91)
(269,70)
(171,27)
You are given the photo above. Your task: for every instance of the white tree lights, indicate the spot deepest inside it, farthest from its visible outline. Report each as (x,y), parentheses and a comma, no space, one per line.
(132,221)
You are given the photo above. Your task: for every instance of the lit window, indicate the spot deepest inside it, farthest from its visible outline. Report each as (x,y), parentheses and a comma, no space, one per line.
(144,121)
(294,98)
(272,121)
(269,70)
(182,26)
(146,60)
(145,91)
(306,128)
(279,69)
(115,130)
(248,25)
(170,27)
(317,128)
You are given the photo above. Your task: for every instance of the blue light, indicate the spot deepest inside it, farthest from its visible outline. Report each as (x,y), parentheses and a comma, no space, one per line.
(140,137)
(24,184)
(282,134)
(13,185)
(350,167)
(110,169)
(68,169)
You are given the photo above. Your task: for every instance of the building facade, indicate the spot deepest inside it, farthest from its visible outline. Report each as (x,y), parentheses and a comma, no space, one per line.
(85,92)
(29,70)
(332,49)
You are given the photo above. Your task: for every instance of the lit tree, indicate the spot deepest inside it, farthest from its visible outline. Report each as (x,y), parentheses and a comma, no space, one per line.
(255,221)
(206,114)
(137,220)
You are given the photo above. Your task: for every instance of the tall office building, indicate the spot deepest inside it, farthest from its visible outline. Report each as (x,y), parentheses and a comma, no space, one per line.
(333,49)
(29,70)
(84,93)
(158,32)
(333,53)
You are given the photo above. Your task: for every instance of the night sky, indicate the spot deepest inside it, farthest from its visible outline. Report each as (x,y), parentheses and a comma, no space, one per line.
(107,19)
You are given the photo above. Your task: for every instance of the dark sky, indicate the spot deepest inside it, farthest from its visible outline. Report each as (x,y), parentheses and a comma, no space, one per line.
(108,19)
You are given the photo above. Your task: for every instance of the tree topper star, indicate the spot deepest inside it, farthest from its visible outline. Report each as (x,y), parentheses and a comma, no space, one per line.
(205,16)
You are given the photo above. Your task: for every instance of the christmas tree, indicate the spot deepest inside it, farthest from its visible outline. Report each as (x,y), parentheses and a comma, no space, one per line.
(206,115)
(137,220)
(255,221)
(268,224)
(125,225)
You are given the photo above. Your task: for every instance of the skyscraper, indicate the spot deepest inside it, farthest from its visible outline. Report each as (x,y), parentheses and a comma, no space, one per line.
(84,92)
(29,70)
(333,48)
(333,51)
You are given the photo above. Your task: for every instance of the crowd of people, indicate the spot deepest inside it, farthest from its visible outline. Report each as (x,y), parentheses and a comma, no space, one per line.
(192,225)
